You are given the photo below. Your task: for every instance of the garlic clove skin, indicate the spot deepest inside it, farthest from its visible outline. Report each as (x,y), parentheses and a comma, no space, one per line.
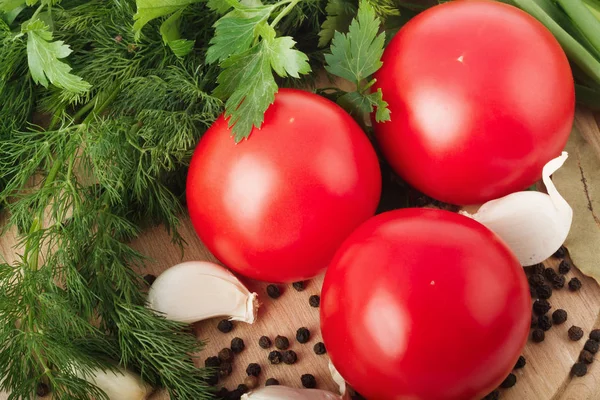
(288,393)
(533,224)
(197,290)
(120,384)
(337,378)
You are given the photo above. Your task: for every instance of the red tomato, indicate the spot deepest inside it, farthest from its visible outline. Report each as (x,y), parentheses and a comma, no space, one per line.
(481,97)
(424,304)
(277,206)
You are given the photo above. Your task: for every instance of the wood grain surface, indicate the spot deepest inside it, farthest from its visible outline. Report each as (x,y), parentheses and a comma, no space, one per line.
(545,377)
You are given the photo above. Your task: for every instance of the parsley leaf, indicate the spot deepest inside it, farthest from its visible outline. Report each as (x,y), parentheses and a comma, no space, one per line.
(248,83)
(366,104)
(339,17)
(44,56)
(219,6)
(356,56)
(147,10)
(169,30)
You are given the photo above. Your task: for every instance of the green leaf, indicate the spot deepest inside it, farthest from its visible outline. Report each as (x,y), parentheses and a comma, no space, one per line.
(219,6)
(169,30)
(235,32)
(147,10)
(44,56)
(358,104)
(248,83)
(10,16)
(339,16)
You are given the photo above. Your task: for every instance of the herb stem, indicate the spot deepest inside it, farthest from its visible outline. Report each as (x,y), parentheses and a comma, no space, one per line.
(284,12)
(37,11)
(586,22)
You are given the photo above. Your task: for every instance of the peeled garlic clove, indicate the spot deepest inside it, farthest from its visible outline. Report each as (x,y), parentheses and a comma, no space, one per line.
(120,384)
(533,224)
(197,290)
(337,378)
(288,393)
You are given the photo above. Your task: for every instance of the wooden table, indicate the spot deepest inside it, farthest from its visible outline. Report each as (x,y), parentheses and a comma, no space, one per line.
(546,375)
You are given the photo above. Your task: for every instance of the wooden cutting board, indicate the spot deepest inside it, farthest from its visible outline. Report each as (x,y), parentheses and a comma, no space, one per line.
(545,377)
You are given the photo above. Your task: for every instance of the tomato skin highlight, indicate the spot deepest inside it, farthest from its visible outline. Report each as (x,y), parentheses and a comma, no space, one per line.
(481,98)
(277,206)
(424,304)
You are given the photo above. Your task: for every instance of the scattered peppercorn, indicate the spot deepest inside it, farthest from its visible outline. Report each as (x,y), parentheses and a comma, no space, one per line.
(534,269)
(538,335)
(308,381)
(42,390)
(149,279)
(558,282)
(541,307)
(544,291)
(253,369)
(212,379)
(544,323)
(273,291)
(549,273)
(264,342)
(575,333)
(595,334)
(251,382)
(225,369)
(509,382)
(275,357)
(222,393)
(242,387)
(579,369)
(561,252)
(299,286)
(495,395)
(290,357)
(319,348)
(235,395)
(226,355)
(282,343)
(592,346)
(212,362)
(586,357)
(564,267)
(520,362)
(533,321)
(302,335)
(237,345)
(536,280)
(225,326)
(532,292)
(271,382)
(559,316)
(574,284)
(314,300)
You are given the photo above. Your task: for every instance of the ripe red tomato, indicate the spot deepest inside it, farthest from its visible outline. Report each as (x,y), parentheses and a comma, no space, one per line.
(424,304)
(481,97)
(277,206)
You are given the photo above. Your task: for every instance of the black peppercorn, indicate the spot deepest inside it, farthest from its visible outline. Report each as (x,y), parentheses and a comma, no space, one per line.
(520,362)
(509,382)
(533,321)
(42,390)
(575,333)
(319,348)
(314,300)
(299,286)
(586,357)
(541,307)
(290,357)
(560,253)
(564,267)
(225,326)
(536,280)
(574,284)
(149,279)
(308,381)
(212,379)
(579,369)
(222,393)
(253,369)
(243,388)
(302,335)
(226,355)
(251,382)
(532,292)
(273,291)
(544,291)
(275,357)
(534,269)
(592,346)
(549,274)
(271,382)
(237,345)
(538,335)
(558,282)
(282,343)
(264,342)
(212,362)
(225,369)
(544,323)
(235,395)
(595,334)
(559,316)
(495,395)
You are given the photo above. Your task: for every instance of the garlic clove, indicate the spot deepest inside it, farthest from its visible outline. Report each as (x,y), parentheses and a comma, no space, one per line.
(120,384)
(533,224)
(197,290)
(337,378)
(288,393)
